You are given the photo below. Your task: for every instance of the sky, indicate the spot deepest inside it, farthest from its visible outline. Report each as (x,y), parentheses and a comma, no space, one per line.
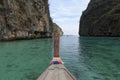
(66,13)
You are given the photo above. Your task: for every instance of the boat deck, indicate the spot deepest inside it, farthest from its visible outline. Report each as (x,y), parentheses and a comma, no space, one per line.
(56,72)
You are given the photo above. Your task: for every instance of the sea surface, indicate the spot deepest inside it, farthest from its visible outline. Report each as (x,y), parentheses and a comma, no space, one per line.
(87,58)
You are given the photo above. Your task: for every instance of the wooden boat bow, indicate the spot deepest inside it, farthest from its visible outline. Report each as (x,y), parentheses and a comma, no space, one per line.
(56,70)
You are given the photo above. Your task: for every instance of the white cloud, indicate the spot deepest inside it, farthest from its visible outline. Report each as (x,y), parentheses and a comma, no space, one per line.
(66,13)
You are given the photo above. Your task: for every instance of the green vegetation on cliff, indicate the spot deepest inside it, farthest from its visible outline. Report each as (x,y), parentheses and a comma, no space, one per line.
(1,6)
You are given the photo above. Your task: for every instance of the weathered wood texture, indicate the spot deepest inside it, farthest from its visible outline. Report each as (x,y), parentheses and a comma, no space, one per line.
(56,72)
(56,41)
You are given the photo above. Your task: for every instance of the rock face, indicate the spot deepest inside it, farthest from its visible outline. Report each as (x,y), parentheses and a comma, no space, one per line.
(101,18)
(25,19)
(56,29)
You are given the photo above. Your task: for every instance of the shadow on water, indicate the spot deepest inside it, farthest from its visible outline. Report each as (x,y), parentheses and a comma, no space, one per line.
(101,57)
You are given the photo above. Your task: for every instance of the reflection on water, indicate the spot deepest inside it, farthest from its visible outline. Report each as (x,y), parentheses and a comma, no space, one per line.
(88,58)
(92,58)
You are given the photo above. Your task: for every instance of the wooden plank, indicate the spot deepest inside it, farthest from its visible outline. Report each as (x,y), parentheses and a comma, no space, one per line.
(42,77)
(56,72)
(50,75)
(62,75)
(56,75)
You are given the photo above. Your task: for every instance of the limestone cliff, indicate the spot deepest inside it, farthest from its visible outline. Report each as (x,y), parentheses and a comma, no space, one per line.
(56,29)
(25,19)
(101,18)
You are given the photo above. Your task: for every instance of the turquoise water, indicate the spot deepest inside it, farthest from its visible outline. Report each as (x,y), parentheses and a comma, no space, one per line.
(24,60)
(88,58)
(92,58)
